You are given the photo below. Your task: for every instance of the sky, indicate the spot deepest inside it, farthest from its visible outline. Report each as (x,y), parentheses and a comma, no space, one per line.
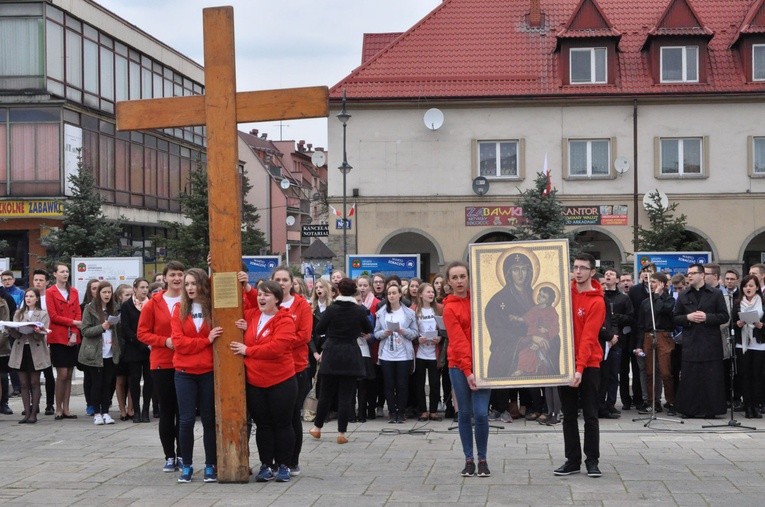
(280,44)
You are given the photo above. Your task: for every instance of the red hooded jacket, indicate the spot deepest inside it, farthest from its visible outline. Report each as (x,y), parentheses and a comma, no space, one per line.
(459,351)
(193,349)
(62,312)
(589,313)
(268,359)
(154,329)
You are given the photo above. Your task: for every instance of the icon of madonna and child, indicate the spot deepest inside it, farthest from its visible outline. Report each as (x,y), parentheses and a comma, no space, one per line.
(523,317)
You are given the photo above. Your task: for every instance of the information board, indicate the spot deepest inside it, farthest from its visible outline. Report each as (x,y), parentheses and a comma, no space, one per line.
(115,270)
(670,262)
(260,267)
(404,265)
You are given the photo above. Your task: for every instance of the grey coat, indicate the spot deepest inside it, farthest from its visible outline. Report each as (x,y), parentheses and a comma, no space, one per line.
(91,349)
(36,341)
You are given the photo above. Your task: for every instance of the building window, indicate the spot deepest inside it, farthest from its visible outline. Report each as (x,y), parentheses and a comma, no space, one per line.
(498,159)
(758,62)
(588,65)
(21,51)
(680,64)
(758,160)
(590,157)
(681,157)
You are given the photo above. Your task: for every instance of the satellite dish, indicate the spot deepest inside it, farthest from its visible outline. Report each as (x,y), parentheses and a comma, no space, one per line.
(285,183)
(290,220)
(480,185)
(649,203)
(433,118)
(308,220)
(319,158)
(621,164)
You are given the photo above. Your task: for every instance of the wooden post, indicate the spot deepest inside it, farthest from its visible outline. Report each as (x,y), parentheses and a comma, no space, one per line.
(221,109)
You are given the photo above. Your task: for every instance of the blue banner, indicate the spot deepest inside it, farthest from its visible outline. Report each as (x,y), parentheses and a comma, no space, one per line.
(405,266)
(670,262)
(260,267)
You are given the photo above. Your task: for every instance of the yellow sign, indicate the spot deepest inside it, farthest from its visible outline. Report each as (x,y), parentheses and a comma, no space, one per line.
(225,293)
(38,208)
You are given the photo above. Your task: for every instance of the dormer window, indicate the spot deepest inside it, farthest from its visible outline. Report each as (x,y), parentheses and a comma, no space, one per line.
(588,65)
(679,64)
(758,62)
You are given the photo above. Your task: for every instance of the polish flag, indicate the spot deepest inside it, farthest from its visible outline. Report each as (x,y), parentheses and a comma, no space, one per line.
(546,171)
(352,211)
(335,212)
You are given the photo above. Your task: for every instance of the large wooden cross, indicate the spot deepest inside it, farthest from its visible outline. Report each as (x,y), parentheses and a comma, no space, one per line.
(220,109)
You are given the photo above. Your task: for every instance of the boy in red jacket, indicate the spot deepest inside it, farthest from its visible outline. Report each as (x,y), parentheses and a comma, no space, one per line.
(589,313)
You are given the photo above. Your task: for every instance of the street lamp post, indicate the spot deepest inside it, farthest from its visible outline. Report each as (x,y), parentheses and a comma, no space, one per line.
(345,168)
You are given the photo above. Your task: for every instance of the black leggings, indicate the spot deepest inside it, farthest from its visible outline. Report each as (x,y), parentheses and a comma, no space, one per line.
(342,386)
(303,386)
(271,408)
(101,385)
(164,389)
(136,370)
(396,379)
(422,367)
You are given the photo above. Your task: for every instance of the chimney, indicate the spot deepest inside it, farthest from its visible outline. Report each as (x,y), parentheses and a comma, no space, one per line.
(535,14)
(264,135)
(254,132)
(309,146)
(301,145)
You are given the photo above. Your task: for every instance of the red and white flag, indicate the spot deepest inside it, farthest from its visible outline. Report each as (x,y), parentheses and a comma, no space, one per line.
(352,211)
(546,171)
(335,212)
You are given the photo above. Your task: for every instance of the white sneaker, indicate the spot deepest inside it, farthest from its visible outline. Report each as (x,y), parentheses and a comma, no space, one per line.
(505,417)
(108,419)
(98,420)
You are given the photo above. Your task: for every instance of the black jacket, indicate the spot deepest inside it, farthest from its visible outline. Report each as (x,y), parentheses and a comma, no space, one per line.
(701,342)
(343,322)
(619,307)
(662,311)
(133,350)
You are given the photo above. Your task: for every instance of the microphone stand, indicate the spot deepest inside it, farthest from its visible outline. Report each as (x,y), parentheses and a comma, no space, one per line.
(732,423)
(654,342)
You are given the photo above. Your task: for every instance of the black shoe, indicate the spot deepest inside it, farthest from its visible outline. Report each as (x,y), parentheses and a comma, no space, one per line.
(670,409)
(456,417)
(738,407)
(626,406)
(592,469)
(449,413)
(568,468)
(605,414)
(657,407)
(613,410)
(469,470)
(6,410)
(49,410)
(136,418)
(483,469)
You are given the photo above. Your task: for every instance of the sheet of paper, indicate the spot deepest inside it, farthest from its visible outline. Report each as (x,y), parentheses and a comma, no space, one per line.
(430,335)
(608,349)
(749,317)
(113,319)
(393,326)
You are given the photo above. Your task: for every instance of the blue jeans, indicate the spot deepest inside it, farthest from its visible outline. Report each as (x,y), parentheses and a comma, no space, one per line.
(471,404)
(196,391)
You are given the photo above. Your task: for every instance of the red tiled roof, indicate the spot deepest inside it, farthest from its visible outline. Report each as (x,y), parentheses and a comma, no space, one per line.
(484,48)
(376,42)
(754,21)
(588,20)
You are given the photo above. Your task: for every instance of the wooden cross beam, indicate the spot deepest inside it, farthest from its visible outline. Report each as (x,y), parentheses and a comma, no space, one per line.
(220,109)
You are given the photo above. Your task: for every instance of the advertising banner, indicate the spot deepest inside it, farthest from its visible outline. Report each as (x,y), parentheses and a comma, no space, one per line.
(260,267)
(670,262)
(115,270)
(405,266)
(512,216)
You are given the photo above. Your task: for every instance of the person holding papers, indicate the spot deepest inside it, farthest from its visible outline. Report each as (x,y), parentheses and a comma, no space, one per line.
(426,361)
(29,354)
(748,312)
(396,327)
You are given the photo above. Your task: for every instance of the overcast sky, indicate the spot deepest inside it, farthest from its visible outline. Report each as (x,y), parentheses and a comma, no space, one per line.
(280,44)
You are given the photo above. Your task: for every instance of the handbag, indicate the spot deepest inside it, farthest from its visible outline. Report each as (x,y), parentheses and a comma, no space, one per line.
(311,402)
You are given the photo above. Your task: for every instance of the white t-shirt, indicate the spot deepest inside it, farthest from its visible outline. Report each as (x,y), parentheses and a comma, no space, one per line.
(106,346)
(42,302)
(171,302)
(427,324)
(64,293)
(197,316)
(287,304)
(392,348)
(263,321)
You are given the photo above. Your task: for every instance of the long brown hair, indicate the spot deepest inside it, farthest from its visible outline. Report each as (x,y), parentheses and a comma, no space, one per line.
(98,304)
(203,295)
(434,305)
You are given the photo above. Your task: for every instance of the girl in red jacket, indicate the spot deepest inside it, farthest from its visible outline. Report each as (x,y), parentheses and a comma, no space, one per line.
(472,402)
(63,304)
(192,339)
(271,383)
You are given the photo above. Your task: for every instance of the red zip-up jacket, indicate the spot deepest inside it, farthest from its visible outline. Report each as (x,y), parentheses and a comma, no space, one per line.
(589,309)
(193,349)
(268,359)
(154,329)
(301,313)
(459,351)
(62,312)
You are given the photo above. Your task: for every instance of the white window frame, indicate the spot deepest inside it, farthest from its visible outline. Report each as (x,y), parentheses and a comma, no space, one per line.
(588,144)
(498,169)
(681,172)
(593,65)
(684,78)
(757,169)
(755,47)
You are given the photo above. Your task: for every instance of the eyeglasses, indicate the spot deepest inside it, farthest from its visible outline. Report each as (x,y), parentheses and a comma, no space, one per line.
(689,273)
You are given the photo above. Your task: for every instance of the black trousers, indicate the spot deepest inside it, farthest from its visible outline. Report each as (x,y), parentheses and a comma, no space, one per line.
(396,379)
(164,389)
(751,369)
(303,386)
(136,370)
(629,361)
(271,408)
(101,385)
(569,397)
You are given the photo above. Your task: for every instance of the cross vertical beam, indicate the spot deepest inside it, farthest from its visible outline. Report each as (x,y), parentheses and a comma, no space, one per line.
(225,237)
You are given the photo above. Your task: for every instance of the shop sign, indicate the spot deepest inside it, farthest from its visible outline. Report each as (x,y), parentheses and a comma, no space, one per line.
(36,208)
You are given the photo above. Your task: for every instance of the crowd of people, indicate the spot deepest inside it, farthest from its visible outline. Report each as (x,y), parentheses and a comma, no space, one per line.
(374,341)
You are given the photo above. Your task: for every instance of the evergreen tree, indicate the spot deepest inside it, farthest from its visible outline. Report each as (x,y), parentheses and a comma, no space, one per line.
(667,233)
(542,212)
(190,243)
(85,231)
